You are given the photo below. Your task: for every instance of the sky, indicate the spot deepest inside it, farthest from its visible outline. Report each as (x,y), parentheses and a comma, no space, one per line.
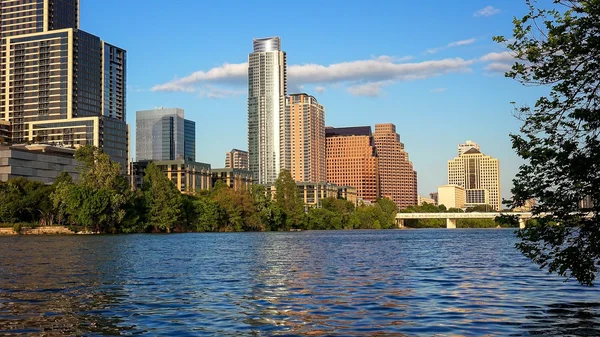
(430,67)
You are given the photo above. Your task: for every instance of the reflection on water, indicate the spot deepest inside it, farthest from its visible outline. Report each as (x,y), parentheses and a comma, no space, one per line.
(392,283)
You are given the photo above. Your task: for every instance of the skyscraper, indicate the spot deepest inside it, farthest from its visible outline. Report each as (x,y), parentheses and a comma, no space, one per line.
(462,148)
(59,84)
(268,125)
(479,175)
(237,159)
(163,134)
(397,177)
(352,160)
(307,138)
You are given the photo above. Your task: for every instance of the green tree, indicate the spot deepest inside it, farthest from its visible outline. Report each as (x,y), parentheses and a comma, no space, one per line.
(559,48)
(287,200)
(162,199)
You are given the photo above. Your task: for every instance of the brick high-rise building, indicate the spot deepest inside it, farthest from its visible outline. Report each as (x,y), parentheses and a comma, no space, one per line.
(352,160)
(307,138)
(397,178)
(59,84)
(236,159)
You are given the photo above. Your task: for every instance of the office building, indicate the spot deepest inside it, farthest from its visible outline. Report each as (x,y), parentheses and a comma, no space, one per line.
(477,197)
(60,85)
(237,159)
(352,160)
(164,134)
(312,194)
(423,200)
(268,126)
(434,196)
(307,138)
(38,162)
(188,176)
(462,148)
(397,177)
(451,196)
(474,170)
(235,178)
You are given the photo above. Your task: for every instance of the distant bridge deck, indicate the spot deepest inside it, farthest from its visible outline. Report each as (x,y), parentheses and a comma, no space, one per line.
(452,217)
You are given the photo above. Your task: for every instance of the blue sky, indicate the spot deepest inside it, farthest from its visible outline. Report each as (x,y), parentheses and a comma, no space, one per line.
(430,67)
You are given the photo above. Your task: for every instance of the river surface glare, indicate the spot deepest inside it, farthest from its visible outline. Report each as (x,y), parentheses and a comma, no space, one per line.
(332,283)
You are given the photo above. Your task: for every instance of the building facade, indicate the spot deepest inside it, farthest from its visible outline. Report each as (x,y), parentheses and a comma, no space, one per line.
(474,170)
(238,179)
(164,134)
(307,138)
(397,177)
(451,196)
(188,176)
(424,200)
(60,85)
(312,194)
(42,163)
(352,160)
(268,125)
(236,159)
(462,148)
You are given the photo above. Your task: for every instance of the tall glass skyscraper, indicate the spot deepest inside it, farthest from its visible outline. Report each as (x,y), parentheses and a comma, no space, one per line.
(268,125)
(59,84)
(163,134)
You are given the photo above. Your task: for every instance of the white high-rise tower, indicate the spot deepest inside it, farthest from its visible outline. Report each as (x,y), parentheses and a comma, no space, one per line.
(268,125)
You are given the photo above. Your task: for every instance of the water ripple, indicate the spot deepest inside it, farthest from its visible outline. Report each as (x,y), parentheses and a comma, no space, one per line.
(355,283)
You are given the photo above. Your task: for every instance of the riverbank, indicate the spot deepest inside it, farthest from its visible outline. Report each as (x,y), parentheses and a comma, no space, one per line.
(42,230)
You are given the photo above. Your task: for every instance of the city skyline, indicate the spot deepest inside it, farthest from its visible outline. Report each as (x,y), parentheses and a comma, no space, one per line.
(432,114)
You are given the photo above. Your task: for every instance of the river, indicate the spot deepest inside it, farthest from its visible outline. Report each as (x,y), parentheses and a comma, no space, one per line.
(333,283)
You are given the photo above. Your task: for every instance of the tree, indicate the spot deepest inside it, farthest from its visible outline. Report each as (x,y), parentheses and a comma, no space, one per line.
(286,198)
(559,48)
(163,200)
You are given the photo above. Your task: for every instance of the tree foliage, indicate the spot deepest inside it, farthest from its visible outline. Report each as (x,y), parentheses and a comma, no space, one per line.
(559,48)
(163,200)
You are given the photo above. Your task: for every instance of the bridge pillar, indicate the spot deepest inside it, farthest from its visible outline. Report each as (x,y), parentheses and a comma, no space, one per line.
(522,222)
(450,223)
(400,223)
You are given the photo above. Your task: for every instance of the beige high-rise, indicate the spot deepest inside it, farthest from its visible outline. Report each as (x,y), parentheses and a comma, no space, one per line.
(352,160)
(397,177)
(237,159)
(307,137)
(479,175)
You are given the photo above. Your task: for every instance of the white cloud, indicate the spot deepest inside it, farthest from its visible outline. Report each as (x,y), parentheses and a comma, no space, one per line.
(319,89)
(227,73)
(209,91)
(498,62)
(373,73)
(438,90)
(498,57)
(451,45)
(487,11)
(372,89)
(497,67)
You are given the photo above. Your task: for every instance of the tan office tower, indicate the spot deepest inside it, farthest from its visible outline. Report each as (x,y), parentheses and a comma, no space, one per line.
(479,175)
(352,160)
(397,178)
(268,126)
(58,84)
(307,138)
(237,159)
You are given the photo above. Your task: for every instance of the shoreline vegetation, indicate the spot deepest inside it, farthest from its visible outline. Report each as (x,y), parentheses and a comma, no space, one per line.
(103,202)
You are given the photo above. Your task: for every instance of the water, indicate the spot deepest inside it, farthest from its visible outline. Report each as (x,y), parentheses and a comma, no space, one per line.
(334,283)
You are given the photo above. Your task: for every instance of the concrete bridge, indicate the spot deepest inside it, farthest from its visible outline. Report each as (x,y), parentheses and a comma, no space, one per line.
(452,217)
